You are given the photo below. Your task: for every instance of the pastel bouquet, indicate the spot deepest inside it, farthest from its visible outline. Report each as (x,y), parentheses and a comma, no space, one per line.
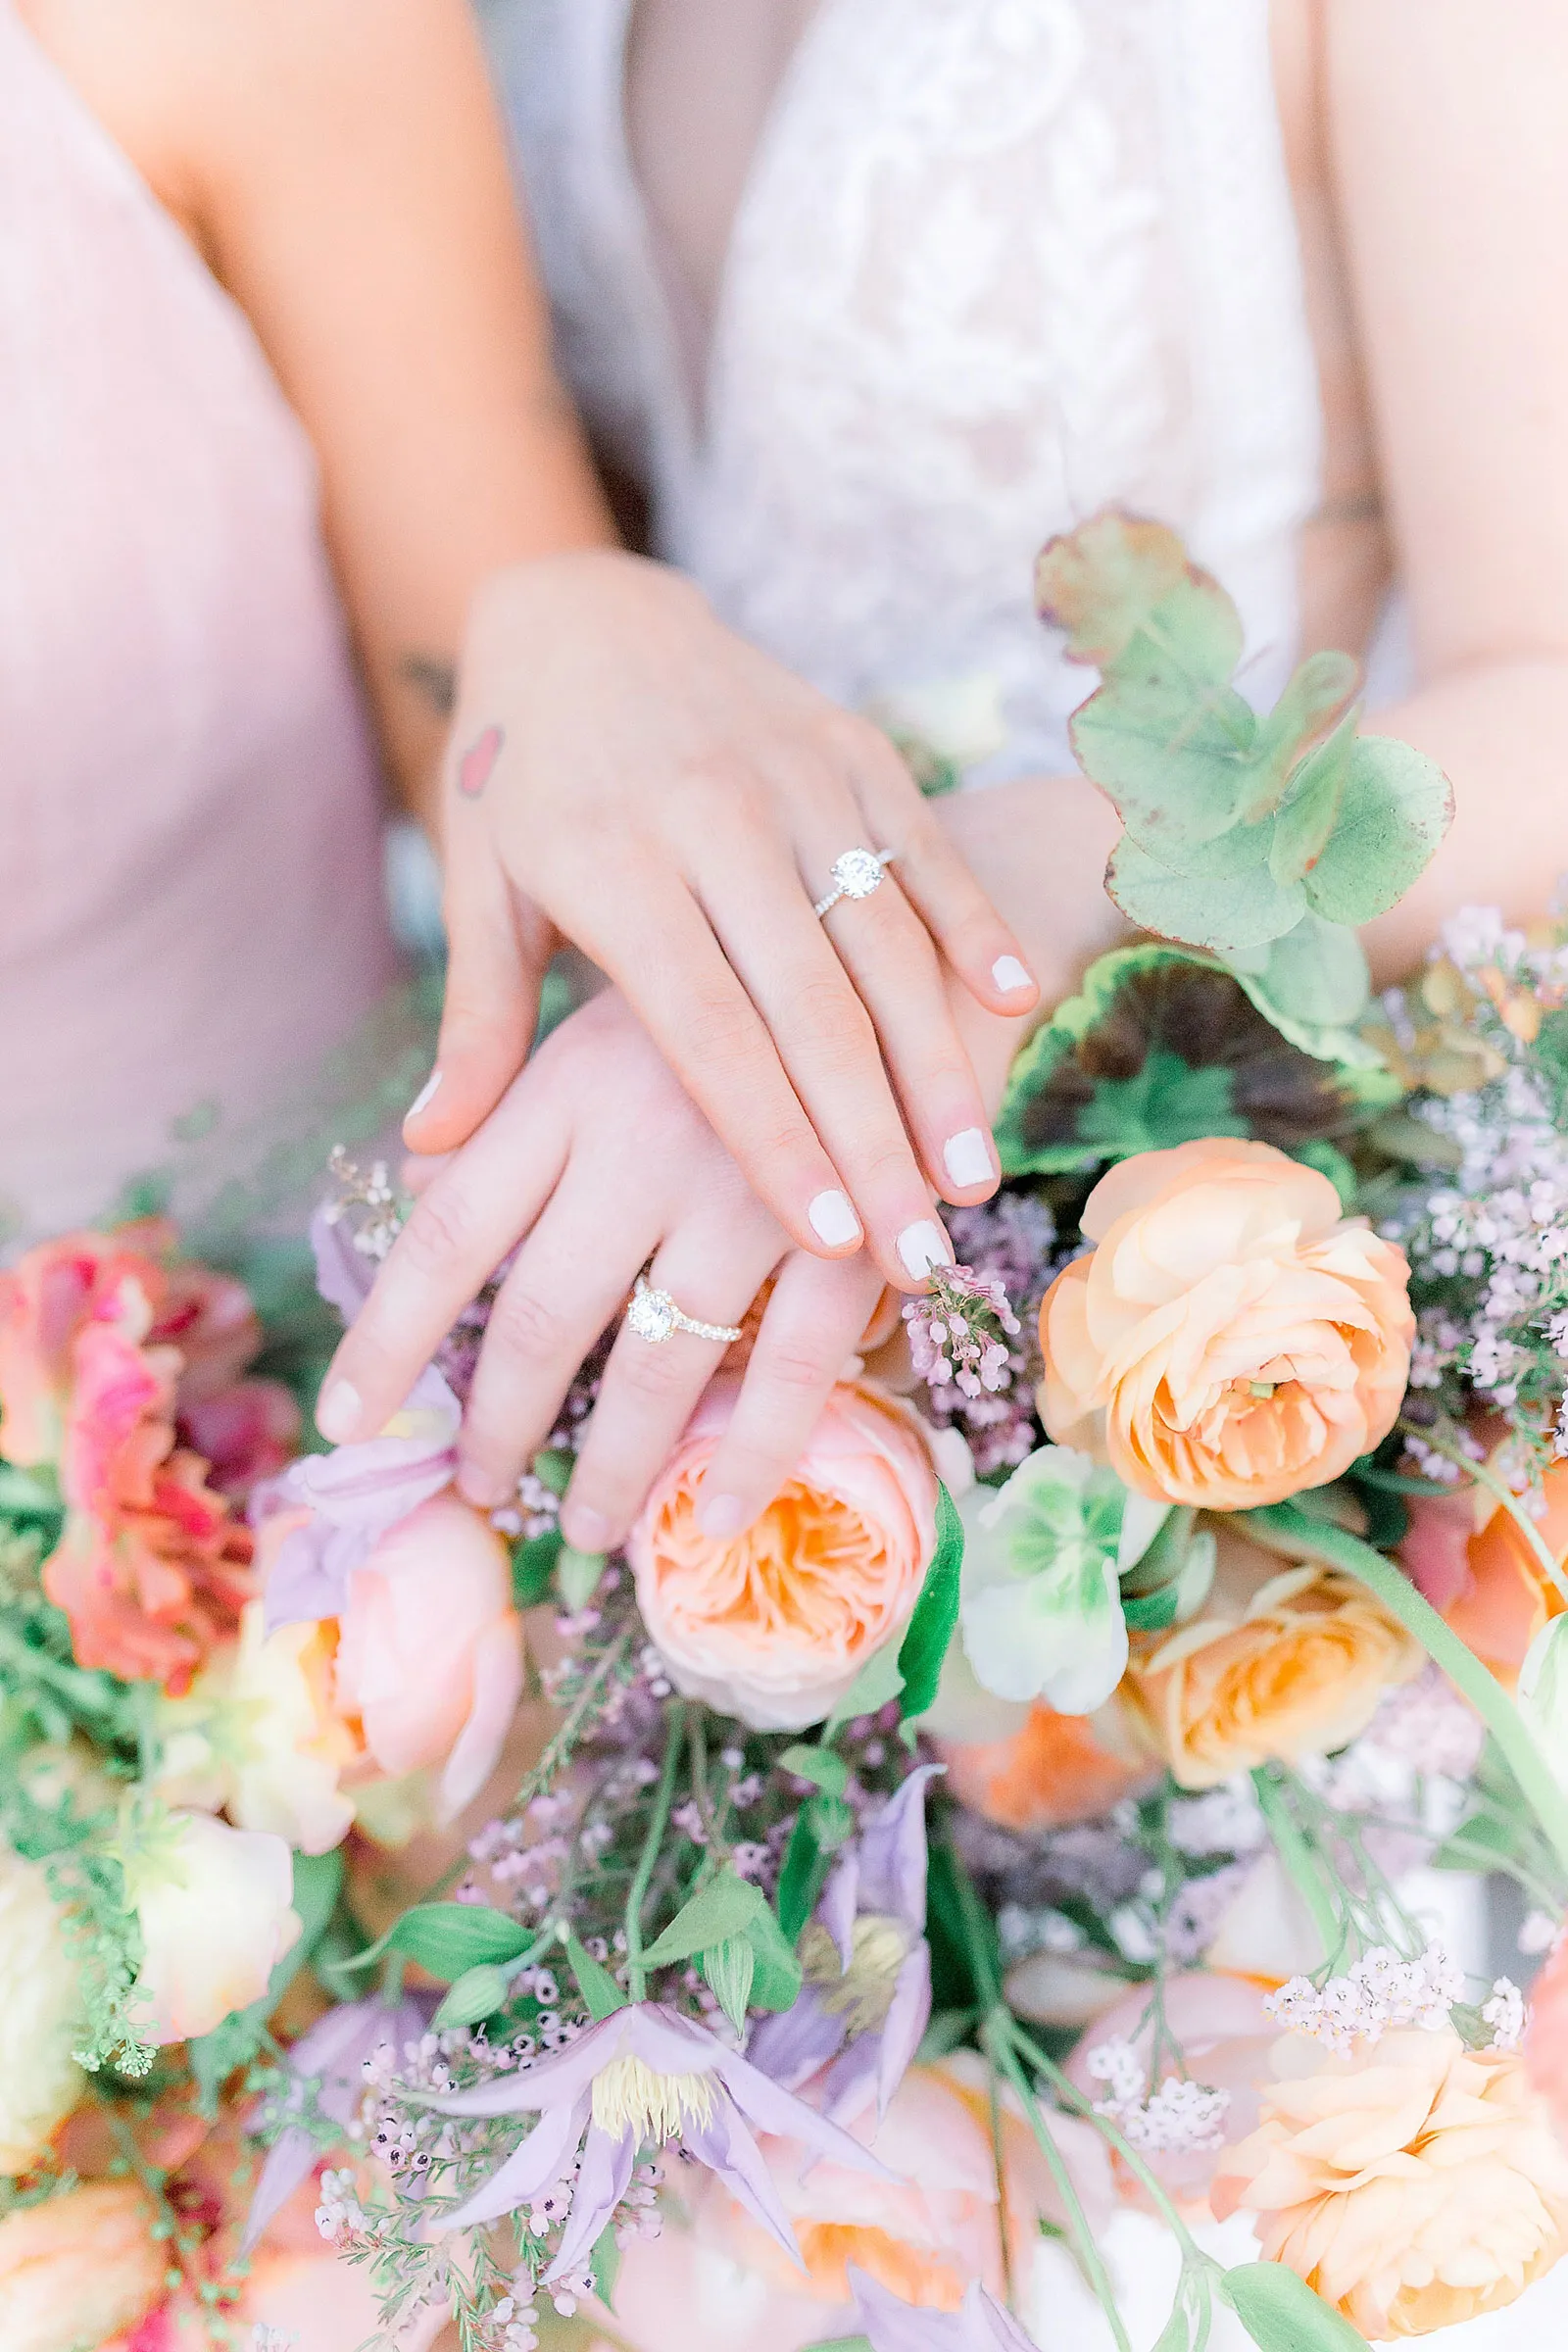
(986,1903)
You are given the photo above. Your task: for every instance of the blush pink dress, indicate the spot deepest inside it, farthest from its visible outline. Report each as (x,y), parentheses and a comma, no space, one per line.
(191,905)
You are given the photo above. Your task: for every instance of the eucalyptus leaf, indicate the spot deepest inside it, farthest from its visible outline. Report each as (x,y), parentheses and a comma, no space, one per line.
(924,1646)
(1398,806)
(1249,912)
(1315,974)
(1311,807)
(1315,699)
(1281,2313)
(1122,589)
(578,1574)
(728,1969)
(725,1906)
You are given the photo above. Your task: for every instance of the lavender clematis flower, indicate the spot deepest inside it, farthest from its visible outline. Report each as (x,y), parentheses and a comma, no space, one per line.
(355,1495)
(644,2074)
(979,2324)
(867,1998)
(344,1276)
(334,2049)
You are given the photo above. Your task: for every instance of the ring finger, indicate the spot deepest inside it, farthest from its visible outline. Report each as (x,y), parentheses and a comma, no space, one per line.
(650,1387)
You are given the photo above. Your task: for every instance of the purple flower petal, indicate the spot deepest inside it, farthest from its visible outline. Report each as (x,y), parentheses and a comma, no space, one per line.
(764,2104)
(892,2325)
(344,1275)
(792,2045)
(656,2034)
(840,1902)
(335,2050)
(893,1855)
(533,2165)
(908,2015)
(729,2150)
(602,2182)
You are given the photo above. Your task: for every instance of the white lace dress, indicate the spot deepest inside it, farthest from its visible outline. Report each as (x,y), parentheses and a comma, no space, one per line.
(996,263)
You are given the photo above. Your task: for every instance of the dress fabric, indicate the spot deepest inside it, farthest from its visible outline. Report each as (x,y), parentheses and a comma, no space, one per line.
(191,909)
(996,262)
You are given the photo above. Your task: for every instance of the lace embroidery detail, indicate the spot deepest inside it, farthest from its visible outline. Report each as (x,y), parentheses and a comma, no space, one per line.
(996,262)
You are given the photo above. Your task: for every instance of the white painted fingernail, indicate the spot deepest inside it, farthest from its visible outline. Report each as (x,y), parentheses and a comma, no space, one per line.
(833,1219)
(968,1159)
(721,1515)
(1010,976)
(337,1411)
(426,1095)
(924,1246)
(584,1528)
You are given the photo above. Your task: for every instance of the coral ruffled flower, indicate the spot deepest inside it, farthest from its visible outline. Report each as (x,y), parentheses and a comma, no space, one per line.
(1471,1560)
(48,1299)
(1545,2044)
(774,1625)
(1050,1771)
(1232,1338)
(1413,2188)
(1285,1662)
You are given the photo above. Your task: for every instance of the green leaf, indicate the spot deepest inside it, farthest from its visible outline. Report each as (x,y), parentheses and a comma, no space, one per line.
(1177,768)
(925,1643)
(832,1821)
(533,1567)
(604,2263)
(842,2344)
(1281,2313)
(880,1679)
(1151,1612)
(1397,805)
(821,1766)
(1123,589)
(1250,911)
(728,1969)
(446,1939)
(578,1574)
(1315,974)
(1168,1102)
(802,1877)
(552,1467)
(478,1993)
(1314,699)
(725,1906)
(595,1983)
(1309,809)
(777,1977)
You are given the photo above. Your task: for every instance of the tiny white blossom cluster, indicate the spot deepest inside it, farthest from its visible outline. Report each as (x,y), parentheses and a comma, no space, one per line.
(1177,2117)
(1504,2013)
(340,2213)
(1225,1820)
(267,2339)
(1380,1991)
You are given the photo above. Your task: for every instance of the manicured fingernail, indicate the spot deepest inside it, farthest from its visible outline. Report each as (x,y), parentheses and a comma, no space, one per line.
(424,1097)
(585,1529)
(924,1246)
(721,1515)
(833,1219)
(968,1159)
(337,1411)
(1010,976)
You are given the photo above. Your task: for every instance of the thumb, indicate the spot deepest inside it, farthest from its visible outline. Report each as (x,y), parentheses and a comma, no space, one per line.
(497,955)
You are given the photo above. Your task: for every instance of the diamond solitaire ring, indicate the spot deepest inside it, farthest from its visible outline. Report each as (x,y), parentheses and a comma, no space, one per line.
(855,875)
(655,1317)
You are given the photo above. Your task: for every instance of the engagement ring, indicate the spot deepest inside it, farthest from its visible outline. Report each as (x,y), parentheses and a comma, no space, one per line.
(855,875)
(655,1317)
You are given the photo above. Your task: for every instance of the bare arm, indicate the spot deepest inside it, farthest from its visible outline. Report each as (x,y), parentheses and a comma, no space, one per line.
(340,166)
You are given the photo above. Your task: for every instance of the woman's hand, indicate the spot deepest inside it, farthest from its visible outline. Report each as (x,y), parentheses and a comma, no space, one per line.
(628,775)
(599,1158)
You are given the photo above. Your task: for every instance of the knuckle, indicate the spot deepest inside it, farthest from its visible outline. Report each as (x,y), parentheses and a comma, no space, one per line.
(794,1367)
(651,1375)
(524,1329)
(720,1027)
(439,1235)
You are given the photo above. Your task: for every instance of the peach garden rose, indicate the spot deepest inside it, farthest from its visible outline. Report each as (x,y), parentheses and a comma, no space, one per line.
(1414,2185)
(774,1625)
(1231,1338)
(1285,1661)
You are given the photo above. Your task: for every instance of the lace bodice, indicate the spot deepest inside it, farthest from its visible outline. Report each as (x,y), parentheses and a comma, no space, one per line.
(996,261)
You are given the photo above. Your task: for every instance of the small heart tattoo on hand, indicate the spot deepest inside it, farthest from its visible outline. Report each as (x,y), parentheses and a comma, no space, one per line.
(475,767)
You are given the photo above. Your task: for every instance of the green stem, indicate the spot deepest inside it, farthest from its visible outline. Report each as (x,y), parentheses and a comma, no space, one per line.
(996,2037)
(1318,1540)
(1302,1864)
(1501,1492)
(637,1894)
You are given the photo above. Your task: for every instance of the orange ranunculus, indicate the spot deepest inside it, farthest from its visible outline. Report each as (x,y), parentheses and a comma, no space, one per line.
(774,1625)
(1412,2185)
(1232,1338)
(1055,1768)
(1486,1580)
(1284,1661)
(152,1569)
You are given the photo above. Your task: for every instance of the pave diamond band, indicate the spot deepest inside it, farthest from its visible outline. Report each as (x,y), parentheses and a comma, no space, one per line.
(655,1317)
(855,875)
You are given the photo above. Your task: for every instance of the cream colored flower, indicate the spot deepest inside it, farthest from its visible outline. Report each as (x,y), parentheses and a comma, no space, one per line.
(78,2269)
(42,2016)
(1414,2186)
(213,1905)
(1283,1663)
(257,1735)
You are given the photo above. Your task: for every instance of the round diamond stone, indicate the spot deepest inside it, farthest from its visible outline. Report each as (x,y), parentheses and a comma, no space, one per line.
(651,1315)
(858,872)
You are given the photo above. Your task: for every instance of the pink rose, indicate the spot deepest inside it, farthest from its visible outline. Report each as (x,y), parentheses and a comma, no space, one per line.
(774,1625)
(430,1659)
